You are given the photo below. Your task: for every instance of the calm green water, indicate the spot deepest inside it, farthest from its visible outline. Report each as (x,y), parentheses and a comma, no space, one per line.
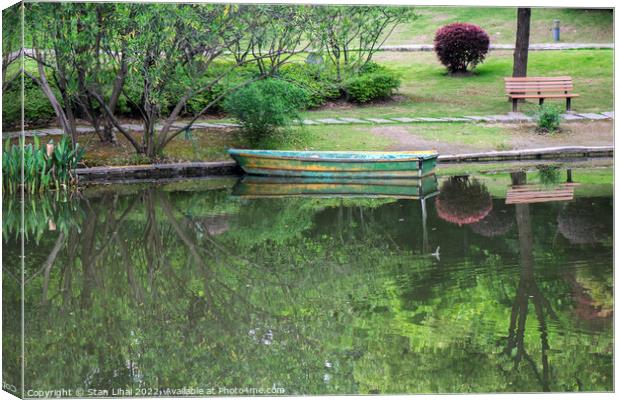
(152,290)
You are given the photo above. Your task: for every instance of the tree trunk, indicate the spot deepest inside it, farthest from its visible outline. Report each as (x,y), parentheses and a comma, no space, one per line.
(523,42)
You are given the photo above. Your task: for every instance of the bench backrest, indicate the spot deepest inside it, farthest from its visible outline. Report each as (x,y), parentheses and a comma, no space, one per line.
(539,85)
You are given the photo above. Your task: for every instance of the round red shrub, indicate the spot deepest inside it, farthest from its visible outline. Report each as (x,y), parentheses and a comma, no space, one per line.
(461,45)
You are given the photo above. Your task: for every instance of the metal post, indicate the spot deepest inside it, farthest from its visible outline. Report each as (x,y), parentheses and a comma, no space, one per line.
(556,30)
(424,231)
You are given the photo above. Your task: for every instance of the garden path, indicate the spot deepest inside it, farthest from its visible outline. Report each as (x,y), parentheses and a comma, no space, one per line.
(210,124)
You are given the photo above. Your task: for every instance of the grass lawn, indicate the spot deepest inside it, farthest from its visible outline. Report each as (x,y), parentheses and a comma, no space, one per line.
(577,25)
(427,91)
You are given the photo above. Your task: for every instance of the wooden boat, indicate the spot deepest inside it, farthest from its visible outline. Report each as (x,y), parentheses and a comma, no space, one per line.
(336,164)
(255,186)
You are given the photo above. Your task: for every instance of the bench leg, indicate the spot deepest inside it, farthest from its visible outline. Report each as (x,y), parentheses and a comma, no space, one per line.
(541,101)
(514,105)
(568,104)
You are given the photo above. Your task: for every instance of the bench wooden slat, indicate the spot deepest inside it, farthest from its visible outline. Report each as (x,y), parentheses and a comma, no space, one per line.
(546,200)
(538,78)
(538,90)
(537,86)
(545,96)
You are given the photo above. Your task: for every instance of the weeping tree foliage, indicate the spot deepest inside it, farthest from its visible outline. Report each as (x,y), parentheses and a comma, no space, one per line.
(350,35)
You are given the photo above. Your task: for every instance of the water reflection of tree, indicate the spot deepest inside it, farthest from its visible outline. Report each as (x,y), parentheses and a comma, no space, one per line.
(528,291)
(163,285)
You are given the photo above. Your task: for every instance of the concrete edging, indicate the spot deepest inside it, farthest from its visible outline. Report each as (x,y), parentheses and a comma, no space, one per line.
(158,171)
(219,168)
(531,154)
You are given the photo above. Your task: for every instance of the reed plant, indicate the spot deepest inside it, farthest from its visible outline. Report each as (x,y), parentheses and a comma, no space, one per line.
(44,168)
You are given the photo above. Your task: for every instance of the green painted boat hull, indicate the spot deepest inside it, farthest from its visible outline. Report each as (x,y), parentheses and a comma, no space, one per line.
(393,165)
(254,186)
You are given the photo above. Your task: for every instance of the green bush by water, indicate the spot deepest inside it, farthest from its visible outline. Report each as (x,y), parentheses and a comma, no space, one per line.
(372,83)
(45,168)
(264,108)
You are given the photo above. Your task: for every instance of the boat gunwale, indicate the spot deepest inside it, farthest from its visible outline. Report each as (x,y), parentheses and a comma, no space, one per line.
(249,154)
(352,174)
(338,195)
(282,180)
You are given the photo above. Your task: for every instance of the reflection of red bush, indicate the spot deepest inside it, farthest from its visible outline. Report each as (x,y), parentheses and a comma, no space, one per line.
(461,201)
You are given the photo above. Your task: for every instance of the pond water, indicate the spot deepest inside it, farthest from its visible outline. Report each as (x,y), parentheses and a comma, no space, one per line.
(194,287)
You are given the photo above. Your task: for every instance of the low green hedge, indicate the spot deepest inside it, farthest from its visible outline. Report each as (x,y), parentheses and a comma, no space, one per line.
(315,79)
(373,82)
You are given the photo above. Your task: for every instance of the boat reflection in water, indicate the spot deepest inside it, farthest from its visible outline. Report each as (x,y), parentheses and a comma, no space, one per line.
(252,186)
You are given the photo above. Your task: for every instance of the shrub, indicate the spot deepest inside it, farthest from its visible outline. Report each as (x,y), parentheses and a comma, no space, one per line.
(373,82)
(315,79)
(37,108)
(264,107)
(460,46)
(232,79)
(547,118)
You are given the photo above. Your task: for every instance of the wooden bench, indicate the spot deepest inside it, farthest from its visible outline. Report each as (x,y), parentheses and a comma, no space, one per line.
(540,88)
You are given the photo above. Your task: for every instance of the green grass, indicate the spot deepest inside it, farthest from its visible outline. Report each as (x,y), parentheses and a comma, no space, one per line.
(361,138)
(475,135)
(340,137)
(577,25)
(427,91)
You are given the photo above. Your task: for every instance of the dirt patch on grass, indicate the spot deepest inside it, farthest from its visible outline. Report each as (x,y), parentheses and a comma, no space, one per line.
(403,139)
(594,133)
(519,136)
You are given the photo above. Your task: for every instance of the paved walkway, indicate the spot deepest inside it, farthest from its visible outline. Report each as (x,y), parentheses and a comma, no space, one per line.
(430,47)
(503,118)
(533,47)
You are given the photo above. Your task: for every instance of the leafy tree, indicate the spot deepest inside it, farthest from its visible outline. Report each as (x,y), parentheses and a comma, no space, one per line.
(183,43)
(11,42)
(98,54)
(350,35)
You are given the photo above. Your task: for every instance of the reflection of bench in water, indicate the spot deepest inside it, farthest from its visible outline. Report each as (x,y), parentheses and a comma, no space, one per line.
(520,194)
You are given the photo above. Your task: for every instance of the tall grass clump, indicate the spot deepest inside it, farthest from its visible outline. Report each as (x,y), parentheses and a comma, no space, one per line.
(45,168)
